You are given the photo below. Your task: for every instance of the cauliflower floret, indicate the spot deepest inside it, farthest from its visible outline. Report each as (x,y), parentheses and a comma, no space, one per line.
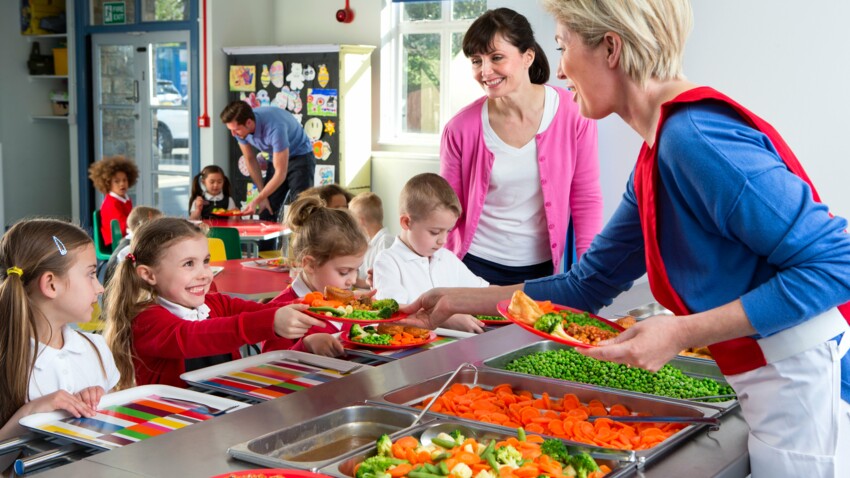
(461,470)
(468,448)
(485,474)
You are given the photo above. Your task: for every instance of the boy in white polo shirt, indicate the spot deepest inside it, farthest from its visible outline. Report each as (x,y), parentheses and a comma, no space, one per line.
(417,261)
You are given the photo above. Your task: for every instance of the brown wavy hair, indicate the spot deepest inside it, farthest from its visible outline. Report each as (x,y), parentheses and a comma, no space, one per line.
(101,172)
(323,233)
(128,294)
(31,245)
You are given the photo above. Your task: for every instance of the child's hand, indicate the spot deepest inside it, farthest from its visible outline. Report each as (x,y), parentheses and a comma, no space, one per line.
(289,322)
(199,203)
(91,396)
(60,400)
(323,344)
(359,295)
(464,323)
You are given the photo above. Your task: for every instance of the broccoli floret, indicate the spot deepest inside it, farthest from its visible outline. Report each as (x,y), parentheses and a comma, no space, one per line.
(556,450)
(508,455)
(384,446)
(458,437)
(356,331)
(583,464)
(377,466)
(385,304)
(548,322)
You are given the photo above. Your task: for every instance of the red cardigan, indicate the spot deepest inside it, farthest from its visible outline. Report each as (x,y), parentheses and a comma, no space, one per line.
(289,296)
(163,341)
(110,209)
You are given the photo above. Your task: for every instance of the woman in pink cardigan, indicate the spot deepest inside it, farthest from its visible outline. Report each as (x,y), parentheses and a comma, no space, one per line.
(521,159)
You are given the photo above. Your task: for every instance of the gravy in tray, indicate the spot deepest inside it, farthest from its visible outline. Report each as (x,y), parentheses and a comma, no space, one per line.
(334,449)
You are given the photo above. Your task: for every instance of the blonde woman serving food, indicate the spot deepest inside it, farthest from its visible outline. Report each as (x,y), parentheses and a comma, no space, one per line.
(721,216)
(521,159)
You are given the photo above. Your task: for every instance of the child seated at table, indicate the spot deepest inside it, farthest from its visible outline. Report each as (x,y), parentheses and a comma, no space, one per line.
(113,177)
(334,195)
(210,193)
(417,261)
(328,247)
(47,282)
(138,216)
(162,320)
(368,210)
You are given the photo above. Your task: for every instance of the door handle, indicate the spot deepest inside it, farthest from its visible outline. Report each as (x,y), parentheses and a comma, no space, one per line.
(135,97)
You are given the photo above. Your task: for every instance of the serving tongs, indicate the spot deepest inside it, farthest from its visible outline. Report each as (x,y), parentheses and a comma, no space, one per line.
(426,437)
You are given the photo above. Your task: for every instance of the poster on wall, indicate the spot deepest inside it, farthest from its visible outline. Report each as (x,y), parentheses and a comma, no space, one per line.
(324,174)
(322,102)
(243,78)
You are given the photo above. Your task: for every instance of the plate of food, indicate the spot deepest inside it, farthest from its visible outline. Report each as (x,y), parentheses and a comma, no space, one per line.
(220,211)
(271,473)
(387,336)
(557,322)
(277,264)
(343,305)
(493,319)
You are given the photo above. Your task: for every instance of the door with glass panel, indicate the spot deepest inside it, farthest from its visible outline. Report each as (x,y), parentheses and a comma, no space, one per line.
(140,107)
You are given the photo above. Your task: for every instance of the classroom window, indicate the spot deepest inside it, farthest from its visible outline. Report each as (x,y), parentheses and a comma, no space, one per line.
(430,77)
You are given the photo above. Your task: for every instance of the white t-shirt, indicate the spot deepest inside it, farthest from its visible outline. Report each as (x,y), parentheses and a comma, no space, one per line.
(74,367)
(382,240)
(513,218)
(404,275)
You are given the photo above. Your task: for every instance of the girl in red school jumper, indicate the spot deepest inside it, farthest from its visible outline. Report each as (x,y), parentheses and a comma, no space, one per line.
(114,176)
(328,247)
(48,281)
(163,321)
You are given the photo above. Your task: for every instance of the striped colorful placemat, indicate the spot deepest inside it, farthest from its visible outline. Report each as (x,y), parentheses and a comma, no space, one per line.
(271,380)
(121,425)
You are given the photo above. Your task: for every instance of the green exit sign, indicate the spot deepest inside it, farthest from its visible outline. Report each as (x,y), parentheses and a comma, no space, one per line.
(113,13)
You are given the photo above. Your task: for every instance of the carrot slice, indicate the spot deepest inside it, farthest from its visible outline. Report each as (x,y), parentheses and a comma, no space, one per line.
(400,470)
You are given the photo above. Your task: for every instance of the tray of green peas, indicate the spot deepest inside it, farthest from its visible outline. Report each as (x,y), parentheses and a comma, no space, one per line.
(691,380)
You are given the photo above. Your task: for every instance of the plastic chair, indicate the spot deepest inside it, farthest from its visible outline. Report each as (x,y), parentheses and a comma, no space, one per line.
(218,252)
(230,237)
(101,251)
(115,226)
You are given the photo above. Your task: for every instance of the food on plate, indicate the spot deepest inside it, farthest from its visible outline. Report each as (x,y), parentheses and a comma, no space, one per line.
(417,332)
(563,324)
(342,303)
(277,262)
(490,317)
(698,352)
(567,364)
(563,417)
(524,308)
(393,335)
(221,210)
(453,455)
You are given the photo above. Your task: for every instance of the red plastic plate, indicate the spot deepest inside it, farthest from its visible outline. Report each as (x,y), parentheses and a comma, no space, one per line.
(350,343)
(503,309)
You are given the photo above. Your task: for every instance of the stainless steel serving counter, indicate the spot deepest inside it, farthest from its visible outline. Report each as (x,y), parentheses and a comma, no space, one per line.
(200,450)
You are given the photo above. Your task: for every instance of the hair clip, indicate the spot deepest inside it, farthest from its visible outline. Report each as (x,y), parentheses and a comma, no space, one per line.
(60,246)
(131,257)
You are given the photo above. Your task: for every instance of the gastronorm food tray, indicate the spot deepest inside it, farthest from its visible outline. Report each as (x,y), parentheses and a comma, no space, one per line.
(694,367)
(411,395)
(344,468)
(319,441)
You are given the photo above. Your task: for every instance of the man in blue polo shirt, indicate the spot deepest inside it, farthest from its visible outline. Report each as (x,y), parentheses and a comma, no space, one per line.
(276,132)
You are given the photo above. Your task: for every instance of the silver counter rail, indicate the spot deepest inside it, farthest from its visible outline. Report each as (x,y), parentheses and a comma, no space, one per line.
(201,450)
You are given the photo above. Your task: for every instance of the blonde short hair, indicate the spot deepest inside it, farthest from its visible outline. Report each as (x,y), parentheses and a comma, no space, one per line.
(367,206)
(426,193)
(653,31)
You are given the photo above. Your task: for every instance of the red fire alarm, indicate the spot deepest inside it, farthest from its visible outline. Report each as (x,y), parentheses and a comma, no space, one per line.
(345,15)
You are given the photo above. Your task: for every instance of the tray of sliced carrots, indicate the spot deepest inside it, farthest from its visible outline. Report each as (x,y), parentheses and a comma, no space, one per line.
(475,451)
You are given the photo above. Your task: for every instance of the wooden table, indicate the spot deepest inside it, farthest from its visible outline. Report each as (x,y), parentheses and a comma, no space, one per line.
(249,283)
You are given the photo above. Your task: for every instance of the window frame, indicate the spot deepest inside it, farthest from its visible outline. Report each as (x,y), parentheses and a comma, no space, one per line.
(392,68)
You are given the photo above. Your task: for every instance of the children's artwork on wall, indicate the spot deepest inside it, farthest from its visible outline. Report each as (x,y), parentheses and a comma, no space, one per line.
(324,175)
(330,127)
(309,73)
(276,73)
(313,128)
(295,77)
(290,97)
(299,105)
(262,159)
(280,100)
(243,78)
(324,76)
(322,150)
(321,102)
(263,97)
(250,98)
(265,77)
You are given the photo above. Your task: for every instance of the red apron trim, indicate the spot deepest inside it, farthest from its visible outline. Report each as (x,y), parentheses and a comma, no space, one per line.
(732,356)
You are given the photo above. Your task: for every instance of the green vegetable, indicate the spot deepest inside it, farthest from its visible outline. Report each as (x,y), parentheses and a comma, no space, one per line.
(429,468)
(520,434)
(556,449)
(327,310)
(508,455)
(458,437)
(390,304)
(494,465)
(384,446)
(490,317)
(442,455)
(421,474)
(442,442)
(489,449)
(567,364)
(377,466)
(368,335)
(548,322)
(584,318)
(444,468)
(583,464)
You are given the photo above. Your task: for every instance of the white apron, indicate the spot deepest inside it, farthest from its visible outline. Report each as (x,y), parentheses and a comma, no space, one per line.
(799,426)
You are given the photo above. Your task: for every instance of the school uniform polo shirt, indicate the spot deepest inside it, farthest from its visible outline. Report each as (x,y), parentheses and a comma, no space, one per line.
(74,367)
(403,275)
